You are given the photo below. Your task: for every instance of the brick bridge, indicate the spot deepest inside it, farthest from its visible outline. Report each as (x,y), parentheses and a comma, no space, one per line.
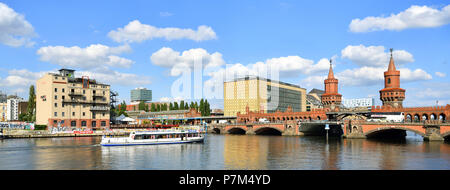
(430,131)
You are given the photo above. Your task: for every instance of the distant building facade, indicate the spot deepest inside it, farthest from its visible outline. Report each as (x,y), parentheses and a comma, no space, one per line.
(65,101)
(141,94)
(313,99)
(15,106)
(358,102)
(3,111)
(261,94)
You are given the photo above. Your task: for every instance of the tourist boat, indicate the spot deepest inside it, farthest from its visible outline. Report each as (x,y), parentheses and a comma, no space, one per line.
(179,135)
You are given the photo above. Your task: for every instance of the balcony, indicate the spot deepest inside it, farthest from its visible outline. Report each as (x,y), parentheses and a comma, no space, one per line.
(75,94)
(98,95)
(100,108)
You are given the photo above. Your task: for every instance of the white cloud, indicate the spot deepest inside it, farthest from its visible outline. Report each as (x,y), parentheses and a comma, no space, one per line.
(116,78)
(429,93)
(439,74)
(274,68)
(15,31)
(170,99)
(179,62)
(375,56)
(93,56)
(413,17)
(373,61)
(135,31)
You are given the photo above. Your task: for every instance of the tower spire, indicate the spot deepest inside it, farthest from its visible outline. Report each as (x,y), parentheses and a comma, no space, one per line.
(330,72)
(391,63)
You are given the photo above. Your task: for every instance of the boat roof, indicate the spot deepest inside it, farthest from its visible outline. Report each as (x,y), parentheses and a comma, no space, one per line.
(165,132)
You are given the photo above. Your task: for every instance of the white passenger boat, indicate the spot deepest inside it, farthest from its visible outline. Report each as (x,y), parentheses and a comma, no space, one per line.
(155,137)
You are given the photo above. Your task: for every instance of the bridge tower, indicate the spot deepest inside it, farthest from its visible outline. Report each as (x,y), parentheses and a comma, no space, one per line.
(392,95)
(331,99)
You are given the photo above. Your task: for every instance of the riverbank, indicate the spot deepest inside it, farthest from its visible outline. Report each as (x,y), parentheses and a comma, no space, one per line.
(10,134)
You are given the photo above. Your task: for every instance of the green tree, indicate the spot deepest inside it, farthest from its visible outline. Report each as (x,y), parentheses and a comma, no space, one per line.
(170,106)
(122,109)
(196,106)
(207,109)
(31,109)
(141,105)
(202,107)
(191,105)
(158,107)
(182,105)
(153,108)
(23,117)
(175,106)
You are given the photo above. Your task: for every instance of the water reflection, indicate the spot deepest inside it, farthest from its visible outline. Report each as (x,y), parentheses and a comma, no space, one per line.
(227,152)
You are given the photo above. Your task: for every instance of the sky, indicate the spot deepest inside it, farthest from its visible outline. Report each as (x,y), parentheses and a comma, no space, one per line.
(153,44)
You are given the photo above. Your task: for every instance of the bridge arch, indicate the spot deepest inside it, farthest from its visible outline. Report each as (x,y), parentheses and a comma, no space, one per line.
(416,118)
(379,132)
(266,130)
(237,130)
(433,116)
(408,118)
(216,130)
(446,136)
(424,117)
(442,117)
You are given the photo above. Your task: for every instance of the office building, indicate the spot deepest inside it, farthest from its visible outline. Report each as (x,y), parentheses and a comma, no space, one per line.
(262,95)
(140,94)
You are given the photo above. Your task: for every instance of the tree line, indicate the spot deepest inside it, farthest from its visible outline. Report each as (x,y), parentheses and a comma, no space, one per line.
(202,106)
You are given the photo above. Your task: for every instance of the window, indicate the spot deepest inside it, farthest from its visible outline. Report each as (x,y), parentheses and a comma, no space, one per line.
(56,97)
(56,89)
(73,123)
(56,114)
(389,80)
(73,113)
(84,114)
(94,124)
(62,97)
(83,123)
(56,105)
(84,91)
(62,114)
(63,90)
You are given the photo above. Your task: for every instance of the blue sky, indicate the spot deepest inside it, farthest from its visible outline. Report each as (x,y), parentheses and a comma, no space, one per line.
(298,37)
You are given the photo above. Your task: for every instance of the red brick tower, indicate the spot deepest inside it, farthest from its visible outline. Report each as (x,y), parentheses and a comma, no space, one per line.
(392,95)
(331,98)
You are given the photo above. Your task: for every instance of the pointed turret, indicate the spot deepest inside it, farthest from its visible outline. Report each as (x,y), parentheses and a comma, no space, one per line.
(391,63)
(392,95)
(331,99)
(330,72)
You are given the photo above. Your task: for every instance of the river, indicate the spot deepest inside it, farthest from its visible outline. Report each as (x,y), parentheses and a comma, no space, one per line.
(223,152)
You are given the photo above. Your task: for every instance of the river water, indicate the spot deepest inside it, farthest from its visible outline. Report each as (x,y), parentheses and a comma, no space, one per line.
(223,152)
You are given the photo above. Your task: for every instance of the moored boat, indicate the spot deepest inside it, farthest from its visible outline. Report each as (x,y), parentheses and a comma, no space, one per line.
(154,137)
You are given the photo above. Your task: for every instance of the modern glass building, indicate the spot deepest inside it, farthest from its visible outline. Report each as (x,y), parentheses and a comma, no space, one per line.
(141,94)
